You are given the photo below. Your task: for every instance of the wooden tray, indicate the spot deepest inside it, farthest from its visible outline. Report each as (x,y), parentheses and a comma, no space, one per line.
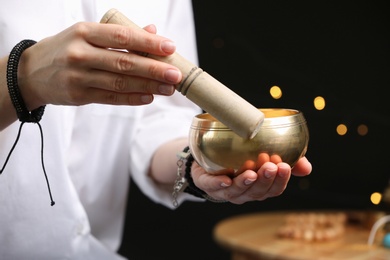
(254,236)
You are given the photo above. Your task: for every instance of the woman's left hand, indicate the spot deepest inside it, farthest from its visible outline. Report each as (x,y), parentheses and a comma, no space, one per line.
(268,177)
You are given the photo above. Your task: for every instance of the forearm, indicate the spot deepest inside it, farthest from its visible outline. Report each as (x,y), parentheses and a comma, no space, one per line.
(7,111)
(163,166)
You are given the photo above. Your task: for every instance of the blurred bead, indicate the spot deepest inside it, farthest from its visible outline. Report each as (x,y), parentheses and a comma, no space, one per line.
(386,240)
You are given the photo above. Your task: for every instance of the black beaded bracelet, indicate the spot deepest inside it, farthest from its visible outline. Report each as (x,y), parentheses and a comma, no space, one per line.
(13,88)
(191,187)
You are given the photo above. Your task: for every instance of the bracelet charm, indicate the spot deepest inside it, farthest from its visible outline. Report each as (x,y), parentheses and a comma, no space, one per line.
(186,183)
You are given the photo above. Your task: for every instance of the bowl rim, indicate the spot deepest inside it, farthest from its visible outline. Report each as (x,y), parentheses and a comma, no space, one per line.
(279,115)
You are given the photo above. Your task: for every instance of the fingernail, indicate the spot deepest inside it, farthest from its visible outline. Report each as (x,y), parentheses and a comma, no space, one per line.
(283,174)
(168,46)
(172,76)
(268,174)
(224,185)
(166,89)
(146,99)
(249,181)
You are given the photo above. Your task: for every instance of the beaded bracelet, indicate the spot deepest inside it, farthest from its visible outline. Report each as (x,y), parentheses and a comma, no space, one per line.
(13,88)
(186,183)
(22,112)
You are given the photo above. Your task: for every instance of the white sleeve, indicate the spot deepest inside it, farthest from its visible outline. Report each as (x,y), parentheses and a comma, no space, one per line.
(162,121)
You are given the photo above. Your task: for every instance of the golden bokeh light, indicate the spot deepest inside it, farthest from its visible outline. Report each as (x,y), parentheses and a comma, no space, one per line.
(362,130)
(376,198)
(341,129)
(319,103)
(275,92)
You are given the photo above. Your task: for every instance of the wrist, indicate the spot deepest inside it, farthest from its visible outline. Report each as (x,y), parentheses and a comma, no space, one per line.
(186,183)
(24,114)
(25,81)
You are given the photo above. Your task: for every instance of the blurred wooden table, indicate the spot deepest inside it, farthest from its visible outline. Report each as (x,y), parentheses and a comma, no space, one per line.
(254,236)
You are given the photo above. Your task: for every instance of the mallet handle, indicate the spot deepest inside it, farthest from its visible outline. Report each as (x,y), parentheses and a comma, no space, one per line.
(204,90)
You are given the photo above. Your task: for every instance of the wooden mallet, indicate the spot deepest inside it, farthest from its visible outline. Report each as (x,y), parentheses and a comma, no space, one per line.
(204,90)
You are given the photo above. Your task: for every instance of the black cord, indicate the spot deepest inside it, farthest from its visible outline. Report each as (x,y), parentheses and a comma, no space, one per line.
(42,162)
(43,167)
(12,149)
(22,112)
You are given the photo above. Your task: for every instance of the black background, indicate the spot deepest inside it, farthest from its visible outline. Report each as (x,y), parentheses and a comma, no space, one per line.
(339,50)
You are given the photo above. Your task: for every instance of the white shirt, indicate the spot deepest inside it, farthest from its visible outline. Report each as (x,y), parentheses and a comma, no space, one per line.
(90,152)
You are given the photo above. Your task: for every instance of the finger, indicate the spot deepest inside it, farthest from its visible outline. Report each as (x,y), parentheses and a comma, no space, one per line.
(247,165)
(280,181)
(262,158)
(124,84)
(83,96)
(237,192)
(266,176)
(233,190)
(302,168)
(151,28)
(247,178)
(123,37)
(275,159)
(128,64)
(210,182)
(272,181)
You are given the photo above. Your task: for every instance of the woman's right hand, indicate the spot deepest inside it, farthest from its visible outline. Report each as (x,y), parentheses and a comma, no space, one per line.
(86,64)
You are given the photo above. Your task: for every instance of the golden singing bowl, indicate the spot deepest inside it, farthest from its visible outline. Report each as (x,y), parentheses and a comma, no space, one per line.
(214,146)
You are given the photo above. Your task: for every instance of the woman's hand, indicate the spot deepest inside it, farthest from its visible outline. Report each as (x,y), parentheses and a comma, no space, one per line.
(86,64)
(268,177)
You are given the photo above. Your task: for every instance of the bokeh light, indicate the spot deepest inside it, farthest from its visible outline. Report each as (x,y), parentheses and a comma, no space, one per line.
(362,130)
(276,92)
(319,103)
(376,198)
(341,129)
